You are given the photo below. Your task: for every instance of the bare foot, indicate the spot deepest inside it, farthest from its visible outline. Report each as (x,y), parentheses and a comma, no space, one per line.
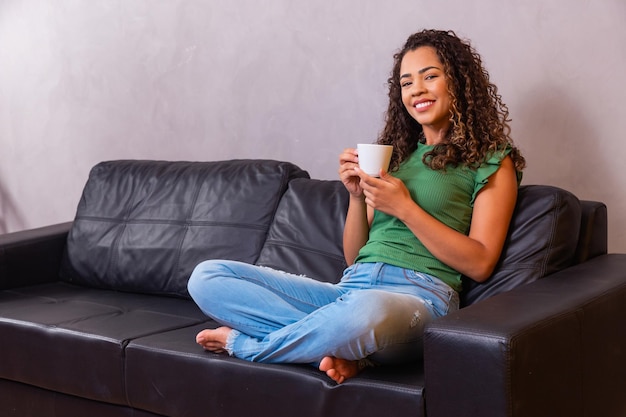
(214,340)
(339,369)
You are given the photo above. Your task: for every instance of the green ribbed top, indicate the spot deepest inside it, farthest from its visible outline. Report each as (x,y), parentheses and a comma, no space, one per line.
(446,195)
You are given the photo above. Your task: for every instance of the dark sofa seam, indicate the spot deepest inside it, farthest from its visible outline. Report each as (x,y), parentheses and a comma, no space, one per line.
(553,223)
(282,188)
(127,342)
(188,223)
(172,222)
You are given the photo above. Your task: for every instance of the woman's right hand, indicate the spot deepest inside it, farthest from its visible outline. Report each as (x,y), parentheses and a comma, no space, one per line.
(348,160)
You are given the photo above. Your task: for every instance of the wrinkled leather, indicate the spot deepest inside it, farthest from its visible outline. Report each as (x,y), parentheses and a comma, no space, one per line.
(144,225)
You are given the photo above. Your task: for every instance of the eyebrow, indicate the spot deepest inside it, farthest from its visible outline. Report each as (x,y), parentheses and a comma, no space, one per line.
(423,70)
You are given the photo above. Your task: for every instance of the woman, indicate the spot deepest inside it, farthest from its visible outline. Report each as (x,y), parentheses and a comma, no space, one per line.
(441,212)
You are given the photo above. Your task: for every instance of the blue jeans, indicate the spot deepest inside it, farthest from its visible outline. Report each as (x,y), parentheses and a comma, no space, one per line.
(377,311)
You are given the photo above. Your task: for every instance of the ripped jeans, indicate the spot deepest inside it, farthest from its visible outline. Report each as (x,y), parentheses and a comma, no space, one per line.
(377,311)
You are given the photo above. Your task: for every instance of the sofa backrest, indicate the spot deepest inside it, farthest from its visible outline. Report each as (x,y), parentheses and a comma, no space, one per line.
(142,226)
(306,236)
(593,236)
(543,238)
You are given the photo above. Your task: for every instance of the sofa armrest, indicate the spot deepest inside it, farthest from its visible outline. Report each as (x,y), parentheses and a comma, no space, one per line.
(32,256)
(555,347)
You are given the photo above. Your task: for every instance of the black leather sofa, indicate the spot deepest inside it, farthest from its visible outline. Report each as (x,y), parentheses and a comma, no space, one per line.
(95,319)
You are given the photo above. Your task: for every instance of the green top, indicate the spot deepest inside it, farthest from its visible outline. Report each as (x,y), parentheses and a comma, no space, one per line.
(446,195)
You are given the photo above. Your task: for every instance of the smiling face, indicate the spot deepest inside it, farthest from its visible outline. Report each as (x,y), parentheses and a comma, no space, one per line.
(425,91)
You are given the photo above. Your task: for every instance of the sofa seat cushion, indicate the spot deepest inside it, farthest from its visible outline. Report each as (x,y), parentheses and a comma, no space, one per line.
(155,365)
(71,339)
(142,226)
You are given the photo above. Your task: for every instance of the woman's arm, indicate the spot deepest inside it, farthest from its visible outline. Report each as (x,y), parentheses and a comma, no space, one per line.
(475,255)
(359,217)
(356,229)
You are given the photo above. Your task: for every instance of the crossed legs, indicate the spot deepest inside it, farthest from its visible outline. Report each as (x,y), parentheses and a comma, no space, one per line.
(283,318)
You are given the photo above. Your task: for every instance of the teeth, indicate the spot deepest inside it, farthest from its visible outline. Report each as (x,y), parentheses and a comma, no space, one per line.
(423,104)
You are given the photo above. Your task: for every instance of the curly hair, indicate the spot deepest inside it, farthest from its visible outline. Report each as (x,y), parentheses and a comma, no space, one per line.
(479,119)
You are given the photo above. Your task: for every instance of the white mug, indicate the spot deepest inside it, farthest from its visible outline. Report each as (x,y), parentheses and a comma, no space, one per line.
(374,157)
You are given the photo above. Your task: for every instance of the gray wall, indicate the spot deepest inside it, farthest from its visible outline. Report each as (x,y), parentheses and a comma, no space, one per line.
(88,80)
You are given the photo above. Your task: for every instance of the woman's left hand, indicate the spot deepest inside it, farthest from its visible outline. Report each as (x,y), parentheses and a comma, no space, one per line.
(387,193)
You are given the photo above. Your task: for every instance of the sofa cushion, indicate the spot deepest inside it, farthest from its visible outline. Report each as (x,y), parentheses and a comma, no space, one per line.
(226,386)
(542,240)
(143,226)
(72,339)
(306,234)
